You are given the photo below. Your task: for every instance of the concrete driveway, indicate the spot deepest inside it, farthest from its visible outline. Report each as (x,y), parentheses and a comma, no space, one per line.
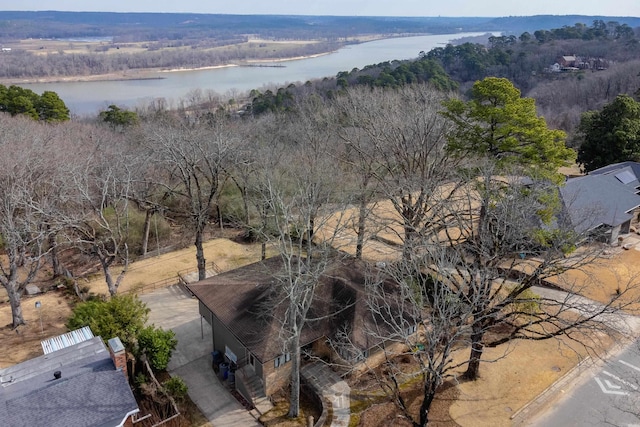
(173,308)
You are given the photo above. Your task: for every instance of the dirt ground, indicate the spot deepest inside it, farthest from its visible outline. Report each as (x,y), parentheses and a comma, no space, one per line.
(505,385)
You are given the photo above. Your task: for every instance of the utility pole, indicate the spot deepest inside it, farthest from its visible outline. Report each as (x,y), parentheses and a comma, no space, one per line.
(39,307)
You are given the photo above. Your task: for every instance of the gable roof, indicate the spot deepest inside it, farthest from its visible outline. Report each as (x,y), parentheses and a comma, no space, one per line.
(90,392)
(604,197)
(238,298)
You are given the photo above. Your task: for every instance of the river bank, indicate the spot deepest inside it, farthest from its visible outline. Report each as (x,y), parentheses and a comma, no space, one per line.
(149,73)
(156,73)
(91,94)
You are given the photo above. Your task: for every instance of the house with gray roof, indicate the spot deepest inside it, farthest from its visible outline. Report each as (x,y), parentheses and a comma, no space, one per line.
(77,383)
(604,201)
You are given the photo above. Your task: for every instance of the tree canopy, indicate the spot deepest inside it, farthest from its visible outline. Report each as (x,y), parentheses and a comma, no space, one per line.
(46,107)
(497,122)
(610,135)
(118,117)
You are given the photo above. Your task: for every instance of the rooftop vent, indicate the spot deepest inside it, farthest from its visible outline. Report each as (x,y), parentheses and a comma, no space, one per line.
(57,375)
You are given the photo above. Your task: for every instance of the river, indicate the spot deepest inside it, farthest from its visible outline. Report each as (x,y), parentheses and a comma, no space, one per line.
(87,98)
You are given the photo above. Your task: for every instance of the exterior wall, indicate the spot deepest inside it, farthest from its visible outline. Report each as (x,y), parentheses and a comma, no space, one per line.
(221,336)
(625,228)
(275,378)
(208,316)
(615,232)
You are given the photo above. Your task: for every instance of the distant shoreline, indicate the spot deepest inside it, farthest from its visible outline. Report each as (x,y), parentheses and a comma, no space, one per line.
(156,73)
(149,73)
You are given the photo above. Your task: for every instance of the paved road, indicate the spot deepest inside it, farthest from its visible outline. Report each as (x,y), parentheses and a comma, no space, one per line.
(607,394)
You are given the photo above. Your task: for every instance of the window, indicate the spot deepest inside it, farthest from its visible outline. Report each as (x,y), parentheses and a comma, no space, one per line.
(281,360)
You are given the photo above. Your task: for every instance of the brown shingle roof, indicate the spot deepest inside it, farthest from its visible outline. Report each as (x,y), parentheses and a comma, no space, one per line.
(240,299)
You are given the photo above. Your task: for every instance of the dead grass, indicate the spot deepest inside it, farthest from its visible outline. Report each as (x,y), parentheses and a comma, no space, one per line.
(604,278)
(143,276)
(505,385)
(23,343)
(521,371)
(513,375)
(277,417)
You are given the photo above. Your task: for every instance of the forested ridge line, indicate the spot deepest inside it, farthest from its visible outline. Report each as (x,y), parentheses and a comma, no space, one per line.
(605,56)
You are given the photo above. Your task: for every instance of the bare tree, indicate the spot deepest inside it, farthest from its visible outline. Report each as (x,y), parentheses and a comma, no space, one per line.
(194,160)
(25,178)
(472,287)
(397,140)
(503,248)
(298,191)
(419,318)
(99,223)
(260,154)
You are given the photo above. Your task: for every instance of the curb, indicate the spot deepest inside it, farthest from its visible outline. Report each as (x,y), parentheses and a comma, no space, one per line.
(545,394)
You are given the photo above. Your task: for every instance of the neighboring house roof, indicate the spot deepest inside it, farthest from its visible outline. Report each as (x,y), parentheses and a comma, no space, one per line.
(90,391)
(616,168)
(241,300)
(66,340)
(604,197)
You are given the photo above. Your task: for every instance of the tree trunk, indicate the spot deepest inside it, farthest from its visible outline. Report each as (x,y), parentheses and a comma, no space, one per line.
(294,398)
(219,216)
(476,352)
(429,394)
(111,285)
(263,218)
(311,230)
(145,231)
(202,266)
(55,261)
(409,239)
(14,294)
(245,205)
(362,217)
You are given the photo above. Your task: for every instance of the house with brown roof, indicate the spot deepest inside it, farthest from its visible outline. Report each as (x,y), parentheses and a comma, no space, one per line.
(239,307)
(567,61)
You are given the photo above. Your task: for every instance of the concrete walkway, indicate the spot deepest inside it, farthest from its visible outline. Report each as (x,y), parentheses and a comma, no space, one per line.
(332,388)
(173,308)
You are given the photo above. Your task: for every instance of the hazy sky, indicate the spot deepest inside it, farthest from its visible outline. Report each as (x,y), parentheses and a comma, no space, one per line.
(344,7)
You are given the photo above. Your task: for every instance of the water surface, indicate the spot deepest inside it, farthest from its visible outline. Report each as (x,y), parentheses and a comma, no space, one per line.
(87,98)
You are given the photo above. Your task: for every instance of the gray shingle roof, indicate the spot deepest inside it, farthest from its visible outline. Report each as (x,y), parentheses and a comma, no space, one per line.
(606,196)
(91,392)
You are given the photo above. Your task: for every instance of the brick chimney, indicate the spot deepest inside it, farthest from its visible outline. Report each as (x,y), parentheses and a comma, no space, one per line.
(118,355)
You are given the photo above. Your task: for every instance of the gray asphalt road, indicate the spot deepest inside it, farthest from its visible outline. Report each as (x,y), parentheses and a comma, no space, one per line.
(607,395)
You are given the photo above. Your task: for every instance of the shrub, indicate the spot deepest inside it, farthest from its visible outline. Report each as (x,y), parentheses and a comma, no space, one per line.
(121,316)
(157,344)
(176,388)
(140,379)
